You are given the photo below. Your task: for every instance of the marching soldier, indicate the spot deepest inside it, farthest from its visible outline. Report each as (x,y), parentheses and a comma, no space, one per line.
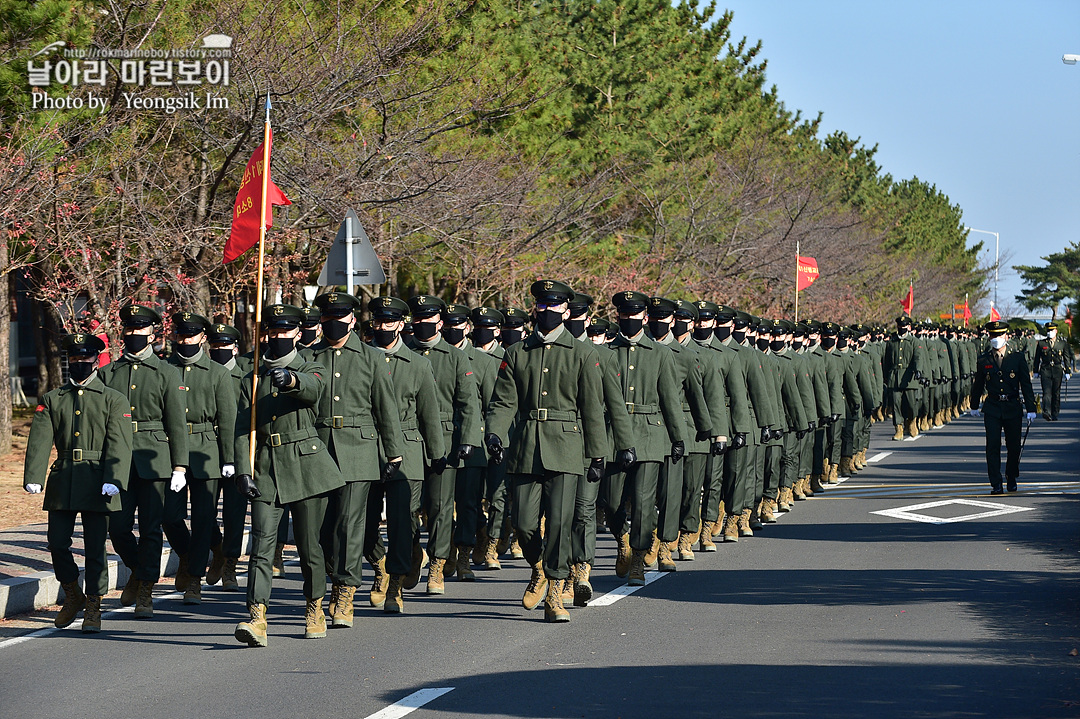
(904,369)
(1005,379)
(310,329)
(513,329)
(1053,360)
(90,426)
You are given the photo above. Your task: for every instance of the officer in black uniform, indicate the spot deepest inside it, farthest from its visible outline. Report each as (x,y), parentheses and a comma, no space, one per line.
(1053,361)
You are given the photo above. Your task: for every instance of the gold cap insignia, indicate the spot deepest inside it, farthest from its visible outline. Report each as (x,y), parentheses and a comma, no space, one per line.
(333,297)
(279,310)
(548,285)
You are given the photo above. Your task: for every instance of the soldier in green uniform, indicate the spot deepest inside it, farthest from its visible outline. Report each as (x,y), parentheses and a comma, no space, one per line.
(1053,361)
(827,443)
(783,461)
(210,398)
(310,329)
(355,414)
(513,329)
(1005,379)
(549,391)
(904,369)
(159,456)
(292,468)
(90,426)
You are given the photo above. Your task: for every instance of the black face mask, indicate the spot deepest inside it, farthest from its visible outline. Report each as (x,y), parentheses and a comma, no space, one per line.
(722,333)
(134,344)
(453,333)
(548,320)
(510,336)
(702,333)
(658,329)
(280,346)
(828,342)
(797,343)
(483,336)
(777,345)
(762,343)
(842,343)
(332,330)
(629,327)
(187,351)
(681,327)
(221,356)
(576,326)
(384,338)
(425,331)
(812,342)
(308,335)
(264,347)
(79,371)
(739,335)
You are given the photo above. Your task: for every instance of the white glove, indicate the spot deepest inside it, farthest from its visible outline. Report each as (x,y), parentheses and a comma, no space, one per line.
(1030,416)
(1067,377)
(110,490)
(228,470)
(33,488)
(975,413)
(1035,376)
(179,480)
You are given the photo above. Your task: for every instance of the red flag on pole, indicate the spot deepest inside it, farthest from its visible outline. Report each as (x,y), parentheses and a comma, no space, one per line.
(994,314)
(808,272)
(909,302)
(967,312)
(245,225)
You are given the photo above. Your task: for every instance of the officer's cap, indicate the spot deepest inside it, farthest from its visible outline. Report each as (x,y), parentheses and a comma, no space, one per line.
(781,327)
(598,326)
(813,326)
(514,317)
(425,306)
(629,302)
(742,319)
(82,345)
(903,321)
(486,317)
(800,329)
(996,328)
(387,309)
(551,292)
(188,324)
(454,313)
(830,329)
(336,304)
(282,317)
(223,334)
(139,316)
(706,310)
(580,304)
(686,310)
(661,307)
(725,314)
(1050,326)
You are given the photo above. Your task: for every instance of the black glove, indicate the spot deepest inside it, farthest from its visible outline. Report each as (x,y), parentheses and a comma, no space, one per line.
(703,435)
(800,433)
(918,374)
(438,466)
(834,418)
(678,449)
(596,470)
(738,440)
(777,434)
(495,448)
(390,469)
(282,377)
(463,453)
(812,426)
(766,435)
(625,459)
(719,447)
(245,485)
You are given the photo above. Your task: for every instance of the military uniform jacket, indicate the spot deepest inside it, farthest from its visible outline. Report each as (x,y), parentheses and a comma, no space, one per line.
(726,363)
(1006,382)
(819,378)
(418,411)
(91,428)
(1055,359)
(291,459)
(905,358)
(714,392)
(459,395)
(486,368)
(156,399)
(857,390)
(696,414)
(547,405)
(620,429)
(653,395)
(359,398)
(835,371)
(759,398)
(796,397)
(210,395)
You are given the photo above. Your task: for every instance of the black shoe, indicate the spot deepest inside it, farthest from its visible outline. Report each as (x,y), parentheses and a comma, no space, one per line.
(1047,417)
(1012,486)
(997,490)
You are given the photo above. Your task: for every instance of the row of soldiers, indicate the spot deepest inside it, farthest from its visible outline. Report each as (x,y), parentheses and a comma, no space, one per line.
(676,423)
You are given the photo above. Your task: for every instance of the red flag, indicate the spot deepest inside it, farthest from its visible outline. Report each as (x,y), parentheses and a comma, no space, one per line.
(245,225)
(967,312)
(909,302)
(808,272)
(994,315)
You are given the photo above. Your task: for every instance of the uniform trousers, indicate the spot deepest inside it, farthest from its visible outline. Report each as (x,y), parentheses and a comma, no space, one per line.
(439,507)
(141,555)
(712,491)
(308,517)
(497,495)
(402,523)
(583,537)
(233,515)
(550,495)
(1051,393)
(694,467)
(343,532)
(469,488)
(203,524)
(95,531)
(994,426)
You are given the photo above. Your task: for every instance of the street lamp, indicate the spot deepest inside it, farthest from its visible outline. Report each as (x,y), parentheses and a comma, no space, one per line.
(997,252)
(1070,59)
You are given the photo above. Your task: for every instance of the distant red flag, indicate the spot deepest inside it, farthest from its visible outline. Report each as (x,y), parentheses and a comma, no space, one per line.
(994,315)
(909,302)
(245,224)
(808,272)
(967,312)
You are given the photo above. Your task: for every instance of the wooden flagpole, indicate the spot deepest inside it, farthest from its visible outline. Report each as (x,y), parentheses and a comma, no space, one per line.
(796,280)
(259,281)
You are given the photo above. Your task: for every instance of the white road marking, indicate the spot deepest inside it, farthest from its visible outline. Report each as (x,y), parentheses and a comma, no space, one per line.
(624,591)
(410,703)
(915,438)
(879,456)
(910,513)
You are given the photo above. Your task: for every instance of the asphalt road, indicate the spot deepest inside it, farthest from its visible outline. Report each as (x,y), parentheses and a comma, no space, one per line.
(834,611)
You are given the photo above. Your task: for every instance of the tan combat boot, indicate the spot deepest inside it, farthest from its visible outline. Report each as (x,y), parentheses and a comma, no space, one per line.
(636,576)
(91,623)
(342,615)
(335,591)
(686,547)
(807,490)
(744,524)
(898,433)
(504,544)
(833,474)
(554,611)
(939,419)
(826,470)
(419,561)
(131,591)
(515,549)
(567,588)
(479,550)
(731,528)
(217,565)
(705,539)
(193,594)
(395,597)
(783,502)
(718,527)
(183,580)
(582,586)
(862,459)
(491,555)
(144,602)
(379,583)
(797,490)
(537,587)
(228,576)
(664,561)
(654,551)
(314,619)
(74,601)
(622,558)
(768,511)
(846,470)
(815,483)
(754,520)
(464,569)
(253,631)
(435,576)
(450,565)
(279,561)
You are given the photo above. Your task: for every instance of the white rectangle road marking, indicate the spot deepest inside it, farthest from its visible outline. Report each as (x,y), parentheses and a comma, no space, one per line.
(410,703)
(879,456)
(910,513)
(624,591)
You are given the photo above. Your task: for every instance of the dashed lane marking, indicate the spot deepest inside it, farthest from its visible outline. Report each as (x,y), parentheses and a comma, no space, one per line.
(879,456)
(410,703)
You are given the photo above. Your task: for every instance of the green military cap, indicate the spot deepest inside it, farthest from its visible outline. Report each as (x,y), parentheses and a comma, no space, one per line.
(845,333)
(830,329)
(312,316)
(223,334)
(486,317)
(82,345)
(425,306)
(742,319)
(336,304)
(903,321)
(138,316)
(514,316)
(284,317)
(812,326)
(706,310)
(387,309)
(781,327)
(725,314)
(455,313)
(630,302)
(1049,326)
(188,324)
(686,309)
(580,304)
(996,328)
(800,329)
(551,292)
(661,307)
(599,326)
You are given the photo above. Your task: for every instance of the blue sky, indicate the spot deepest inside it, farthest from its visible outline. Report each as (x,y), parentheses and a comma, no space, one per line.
(970,96)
